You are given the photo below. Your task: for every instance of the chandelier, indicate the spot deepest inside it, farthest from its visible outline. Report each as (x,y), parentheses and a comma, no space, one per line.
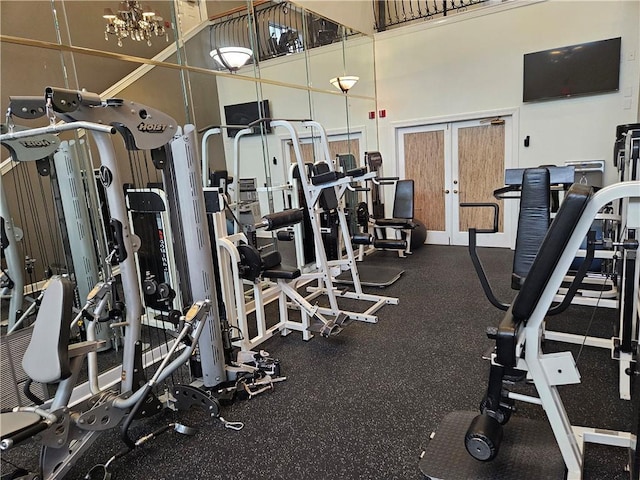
(134,21)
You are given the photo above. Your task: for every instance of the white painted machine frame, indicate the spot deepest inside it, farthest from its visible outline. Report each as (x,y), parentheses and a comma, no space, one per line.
(238,309)
(326,270)
(548,371)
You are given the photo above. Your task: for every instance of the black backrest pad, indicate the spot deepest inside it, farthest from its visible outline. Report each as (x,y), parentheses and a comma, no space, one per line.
(403,199)
(328,199)
(551,250)
(533,221)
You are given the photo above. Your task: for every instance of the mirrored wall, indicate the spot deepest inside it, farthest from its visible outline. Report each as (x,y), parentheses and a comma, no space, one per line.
(80,45)
(295,54)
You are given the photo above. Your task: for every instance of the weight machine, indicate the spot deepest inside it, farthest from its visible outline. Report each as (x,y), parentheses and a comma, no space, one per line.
(234,250)
(518,356)
(401,222)
(70,193)
(35,149)
(533,188)
(70,422)
(323,187)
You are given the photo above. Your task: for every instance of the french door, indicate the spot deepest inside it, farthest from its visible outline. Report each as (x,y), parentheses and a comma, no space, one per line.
(455,163)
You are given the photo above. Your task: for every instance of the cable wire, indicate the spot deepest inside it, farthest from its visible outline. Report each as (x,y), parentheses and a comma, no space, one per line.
(593,314)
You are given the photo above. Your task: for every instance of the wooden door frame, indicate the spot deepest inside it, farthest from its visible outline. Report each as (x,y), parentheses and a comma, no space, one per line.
(511,157)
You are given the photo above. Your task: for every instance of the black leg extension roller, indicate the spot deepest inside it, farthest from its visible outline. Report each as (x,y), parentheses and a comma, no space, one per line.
(286,218)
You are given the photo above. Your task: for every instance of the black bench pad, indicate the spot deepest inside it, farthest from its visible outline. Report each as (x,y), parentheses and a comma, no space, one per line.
(357,172)
(282,271)
(396,222)
(326,177)
(551,250)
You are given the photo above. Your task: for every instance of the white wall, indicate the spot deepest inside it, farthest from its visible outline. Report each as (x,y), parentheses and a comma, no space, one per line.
(474,64)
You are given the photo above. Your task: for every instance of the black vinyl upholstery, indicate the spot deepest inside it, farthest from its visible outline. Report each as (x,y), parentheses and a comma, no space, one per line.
(282,271)
(533,222)
(551,250)
(285,218)
(402,207)
(403,199)
(328,199)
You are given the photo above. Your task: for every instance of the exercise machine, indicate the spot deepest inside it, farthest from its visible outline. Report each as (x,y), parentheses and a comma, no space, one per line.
(374,227)
(242,263)
(34,149)
(518,356)
(323,187)
(325,320)
(593,287)
(71,421)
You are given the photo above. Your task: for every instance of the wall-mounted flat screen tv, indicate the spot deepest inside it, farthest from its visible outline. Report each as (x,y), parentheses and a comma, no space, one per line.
(244,114)
(584,69)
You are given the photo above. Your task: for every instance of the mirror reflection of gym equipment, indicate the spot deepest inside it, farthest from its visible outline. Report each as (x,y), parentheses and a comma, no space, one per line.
(385,278)
(50,358)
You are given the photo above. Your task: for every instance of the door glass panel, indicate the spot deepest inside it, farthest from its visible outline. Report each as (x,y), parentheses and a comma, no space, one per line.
(480,172)
(425,164)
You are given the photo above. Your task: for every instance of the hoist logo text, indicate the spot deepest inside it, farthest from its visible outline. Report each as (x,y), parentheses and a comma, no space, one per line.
(35,143)
(151,127)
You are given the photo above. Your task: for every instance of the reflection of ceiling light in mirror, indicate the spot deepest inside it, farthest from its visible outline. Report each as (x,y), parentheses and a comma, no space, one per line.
(231,58)
(344,83)
(135,22)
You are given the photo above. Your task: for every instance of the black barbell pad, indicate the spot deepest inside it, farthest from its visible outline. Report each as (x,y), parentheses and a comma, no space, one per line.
(284,235)
(361,239)
(286,218)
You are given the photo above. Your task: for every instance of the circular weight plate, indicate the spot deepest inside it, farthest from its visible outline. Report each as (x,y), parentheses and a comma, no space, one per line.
(251,261)
(149,287)
(165,291)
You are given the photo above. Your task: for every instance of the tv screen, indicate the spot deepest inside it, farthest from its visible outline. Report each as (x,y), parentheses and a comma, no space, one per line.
(244,114)
(583,69)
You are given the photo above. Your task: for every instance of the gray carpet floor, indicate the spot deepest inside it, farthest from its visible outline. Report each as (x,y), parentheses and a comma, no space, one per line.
(362,405)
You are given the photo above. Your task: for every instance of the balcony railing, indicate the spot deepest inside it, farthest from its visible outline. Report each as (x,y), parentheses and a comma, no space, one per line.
(390,13)
(279,28)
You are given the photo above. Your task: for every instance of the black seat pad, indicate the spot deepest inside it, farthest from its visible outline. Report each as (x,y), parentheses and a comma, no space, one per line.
(282,271)
(551,250)
(357,172)
(396,222)
(322,173)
